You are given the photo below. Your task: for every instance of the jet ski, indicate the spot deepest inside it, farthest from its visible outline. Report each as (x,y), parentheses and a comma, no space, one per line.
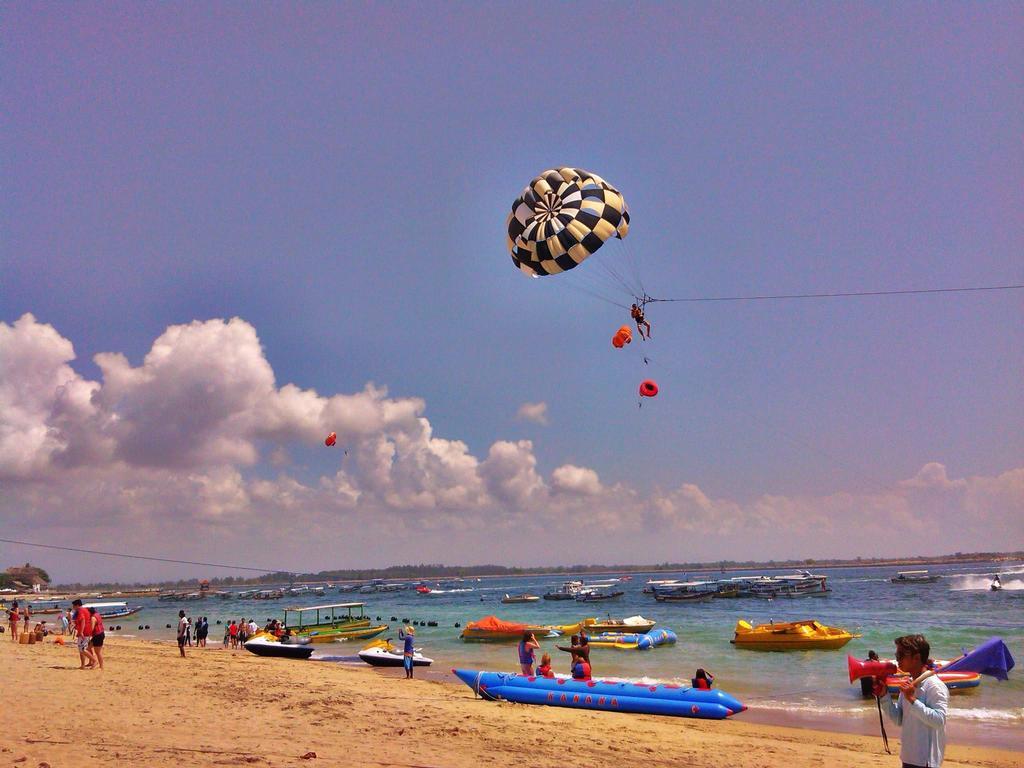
(384,654)
(264,646)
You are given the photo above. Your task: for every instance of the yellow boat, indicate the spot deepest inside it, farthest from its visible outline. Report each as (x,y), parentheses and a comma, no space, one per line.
(328,623)
(805,635)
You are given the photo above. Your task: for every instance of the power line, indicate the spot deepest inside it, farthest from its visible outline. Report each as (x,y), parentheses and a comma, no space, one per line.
(144,557)
(775,297)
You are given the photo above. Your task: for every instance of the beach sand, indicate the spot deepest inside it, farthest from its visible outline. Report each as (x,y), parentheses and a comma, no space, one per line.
(217,707)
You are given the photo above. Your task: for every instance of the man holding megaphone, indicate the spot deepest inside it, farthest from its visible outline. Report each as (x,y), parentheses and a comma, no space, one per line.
(921,707)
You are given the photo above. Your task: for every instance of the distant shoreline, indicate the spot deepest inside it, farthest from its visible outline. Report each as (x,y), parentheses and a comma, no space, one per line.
(554,571)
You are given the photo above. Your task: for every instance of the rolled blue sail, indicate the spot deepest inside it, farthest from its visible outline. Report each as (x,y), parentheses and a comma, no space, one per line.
(658,699)
(990,658)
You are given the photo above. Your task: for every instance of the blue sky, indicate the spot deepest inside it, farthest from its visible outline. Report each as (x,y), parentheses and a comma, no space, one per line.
(338,176)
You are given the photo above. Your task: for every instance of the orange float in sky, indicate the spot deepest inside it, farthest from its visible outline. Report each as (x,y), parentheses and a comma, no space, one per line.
(331,439)
(622,337)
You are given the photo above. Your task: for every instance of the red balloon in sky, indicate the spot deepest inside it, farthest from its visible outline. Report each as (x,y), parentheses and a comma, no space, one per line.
(648,388)
(331,439)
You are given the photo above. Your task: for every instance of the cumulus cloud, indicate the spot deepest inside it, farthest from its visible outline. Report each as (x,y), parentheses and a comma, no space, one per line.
(199,437)
(535,412)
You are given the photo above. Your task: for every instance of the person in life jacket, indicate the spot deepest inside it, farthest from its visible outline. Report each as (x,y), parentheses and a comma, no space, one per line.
(544,670)
(637,314)
(703,680)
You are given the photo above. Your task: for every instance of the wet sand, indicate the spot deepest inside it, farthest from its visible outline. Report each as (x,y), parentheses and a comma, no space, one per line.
(216,707)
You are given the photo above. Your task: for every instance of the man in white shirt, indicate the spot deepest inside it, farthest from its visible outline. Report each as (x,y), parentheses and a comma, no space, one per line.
(182,632)
(920,711)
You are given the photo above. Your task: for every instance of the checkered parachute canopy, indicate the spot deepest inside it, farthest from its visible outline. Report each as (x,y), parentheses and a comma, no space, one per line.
(563,217)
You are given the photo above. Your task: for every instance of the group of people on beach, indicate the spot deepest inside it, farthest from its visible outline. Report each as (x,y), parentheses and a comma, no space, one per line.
(85,625)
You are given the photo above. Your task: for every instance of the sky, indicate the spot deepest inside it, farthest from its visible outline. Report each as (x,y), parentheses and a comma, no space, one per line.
(229,230)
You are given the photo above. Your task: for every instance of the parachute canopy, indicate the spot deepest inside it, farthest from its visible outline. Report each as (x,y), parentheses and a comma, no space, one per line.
(561,218)
(331,439)
(648,389)
(622,337)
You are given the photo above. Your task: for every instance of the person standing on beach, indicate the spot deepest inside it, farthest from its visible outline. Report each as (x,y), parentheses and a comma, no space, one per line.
(408,651)
(64,622)
(12,619)
(528,647)
(98,636)
(83,631)
(920,711)
(26,614)
(182,632)
(233,633)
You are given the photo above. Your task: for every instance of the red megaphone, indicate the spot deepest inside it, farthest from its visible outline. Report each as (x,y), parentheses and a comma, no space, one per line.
(859,669)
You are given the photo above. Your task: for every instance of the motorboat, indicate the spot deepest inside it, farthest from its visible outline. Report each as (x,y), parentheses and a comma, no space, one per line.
(262,645)
(914,577)
(567,591)
(683,597)
(808,634)
(636,624)
(590,595)
(523,598)
(383,654)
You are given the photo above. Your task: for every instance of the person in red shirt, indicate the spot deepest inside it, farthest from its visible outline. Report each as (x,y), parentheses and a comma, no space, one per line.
(98,636)
(83,626)
(13,616)
(233,631)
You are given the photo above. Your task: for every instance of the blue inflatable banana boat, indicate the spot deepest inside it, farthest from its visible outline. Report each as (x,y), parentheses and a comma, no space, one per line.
(659,699)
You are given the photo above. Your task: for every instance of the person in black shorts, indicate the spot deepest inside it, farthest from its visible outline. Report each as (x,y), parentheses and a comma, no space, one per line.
(637,314)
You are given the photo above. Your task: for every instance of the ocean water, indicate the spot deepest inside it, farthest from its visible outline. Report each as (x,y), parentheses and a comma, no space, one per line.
(955,613)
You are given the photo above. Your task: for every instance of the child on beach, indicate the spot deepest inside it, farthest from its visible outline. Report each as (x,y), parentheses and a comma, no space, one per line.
(544,670)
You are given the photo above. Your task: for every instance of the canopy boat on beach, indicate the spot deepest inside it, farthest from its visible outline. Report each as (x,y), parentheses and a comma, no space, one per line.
(642,697)
(808,634)
(113,610)
(523,598)
(264,645)
(328,623)
(381,653)
(914,577)
(636,624)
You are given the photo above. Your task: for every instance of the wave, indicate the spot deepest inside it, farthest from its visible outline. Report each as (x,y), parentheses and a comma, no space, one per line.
(1011,715)
(967,582)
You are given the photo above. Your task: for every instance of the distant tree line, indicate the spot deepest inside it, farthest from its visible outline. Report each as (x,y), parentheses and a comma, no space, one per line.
(435,571)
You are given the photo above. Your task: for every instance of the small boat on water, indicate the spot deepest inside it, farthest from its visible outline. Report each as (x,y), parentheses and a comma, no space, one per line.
(262,645)
(382,653)
(588,595)
(113,610)
(46,607)
(654,699)
(683,597)
(523,598)
(630,624)
(805,635)
(567,591)
(914,577)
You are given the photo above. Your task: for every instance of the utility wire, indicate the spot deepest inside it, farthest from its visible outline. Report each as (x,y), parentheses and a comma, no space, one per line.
(841,294)
(144,557)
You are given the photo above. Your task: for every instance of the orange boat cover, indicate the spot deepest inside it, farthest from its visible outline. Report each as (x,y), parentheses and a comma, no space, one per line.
(494,624)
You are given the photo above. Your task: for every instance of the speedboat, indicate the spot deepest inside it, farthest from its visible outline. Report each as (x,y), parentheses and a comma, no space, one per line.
(383,654)
(588,595)
(262,645)
(523,598)
(805,635)
(567,591)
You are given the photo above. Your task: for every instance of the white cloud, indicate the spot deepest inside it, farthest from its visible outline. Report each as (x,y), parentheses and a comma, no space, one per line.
(197,447)
(535,412)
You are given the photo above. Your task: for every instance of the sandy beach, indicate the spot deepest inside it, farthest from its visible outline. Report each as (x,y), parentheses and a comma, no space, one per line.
(217,707)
